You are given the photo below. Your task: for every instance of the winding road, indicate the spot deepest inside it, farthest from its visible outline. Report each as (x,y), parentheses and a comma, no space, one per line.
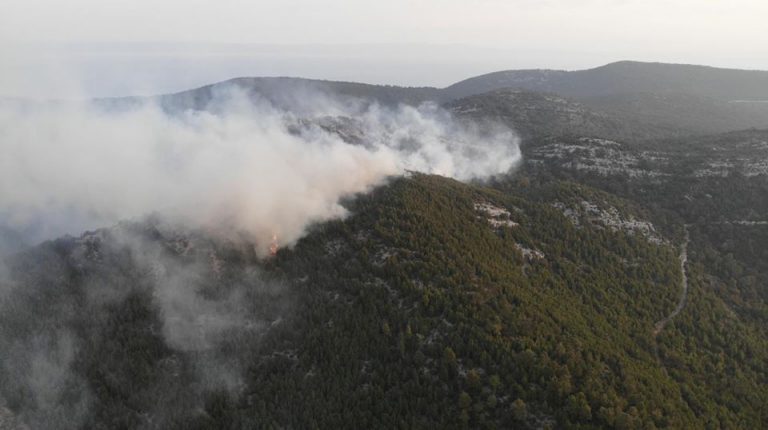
(659,326)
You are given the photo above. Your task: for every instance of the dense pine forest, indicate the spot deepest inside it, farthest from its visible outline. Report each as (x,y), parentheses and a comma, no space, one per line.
(423,307)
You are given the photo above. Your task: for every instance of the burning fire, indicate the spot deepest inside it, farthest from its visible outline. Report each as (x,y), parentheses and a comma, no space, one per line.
(273,246)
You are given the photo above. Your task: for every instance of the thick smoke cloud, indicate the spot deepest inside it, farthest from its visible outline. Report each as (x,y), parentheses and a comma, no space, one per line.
(238,172)
(41,369)
(149,281)
(241,166)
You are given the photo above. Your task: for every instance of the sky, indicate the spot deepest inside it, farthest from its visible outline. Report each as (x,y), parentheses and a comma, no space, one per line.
(54,48)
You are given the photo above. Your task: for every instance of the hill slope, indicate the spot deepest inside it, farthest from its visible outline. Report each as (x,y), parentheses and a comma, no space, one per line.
(537,115)
(436,304)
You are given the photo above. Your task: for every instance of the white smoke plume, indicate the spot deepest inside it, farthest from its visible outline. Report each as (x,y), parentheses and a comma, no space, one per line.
(41,367)
(244,166)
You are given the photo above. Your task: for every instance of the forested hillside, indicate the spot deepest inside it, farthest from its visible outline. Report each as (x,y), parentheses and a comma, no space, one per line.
(436,304)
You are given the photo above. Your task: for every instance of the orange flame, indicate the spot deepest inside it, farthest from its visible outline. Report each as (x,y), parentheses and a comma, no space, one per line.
(273,246)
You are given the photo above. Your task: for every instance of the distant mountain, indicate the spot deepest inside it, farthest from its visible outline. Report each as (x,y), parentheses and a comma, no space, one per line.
(625,100)
(284,92)
(651,99)
(624,77)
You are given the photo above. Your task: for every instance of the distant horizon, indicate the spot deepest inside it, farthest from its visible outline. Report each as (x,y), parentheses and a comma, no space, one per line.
(97,49)
(94,70)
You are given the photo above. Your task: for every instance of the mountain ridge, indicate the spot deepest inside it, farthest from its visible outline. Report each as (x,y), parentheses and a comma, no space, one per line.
(627,77)
(540,80)
(649,100)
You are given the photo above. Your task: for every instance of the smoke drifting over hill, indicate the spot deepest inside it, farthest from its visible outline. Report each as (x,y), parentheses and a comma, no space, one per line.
(242,166)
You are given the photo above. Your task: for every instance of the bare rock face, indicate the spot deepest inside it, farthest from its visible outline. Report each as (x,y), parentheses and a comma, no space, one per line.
(602,215)
(496,216)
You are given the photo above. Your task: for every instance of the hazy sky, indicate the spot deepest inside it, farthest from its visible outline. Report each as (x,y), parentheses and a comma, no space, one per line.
(108,47)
